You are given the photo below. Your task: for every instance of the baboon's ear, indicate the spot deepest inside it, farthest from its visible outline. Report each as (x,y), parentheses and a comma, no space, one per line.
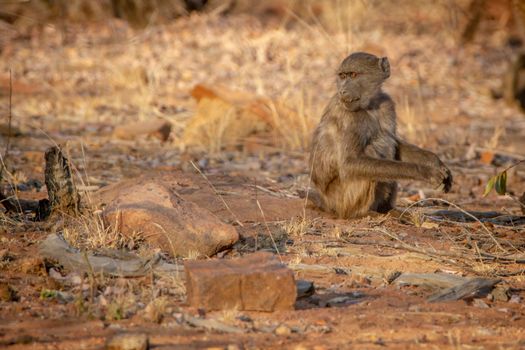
(385,66)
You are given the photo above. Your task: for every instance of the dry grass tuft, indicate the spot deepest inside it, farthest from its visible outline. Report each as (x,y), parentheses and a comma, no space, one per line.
(345,16)
(155,310)
(121,308)
(89,231)
(225,117)
(297,226)
(218,124)
(293,126)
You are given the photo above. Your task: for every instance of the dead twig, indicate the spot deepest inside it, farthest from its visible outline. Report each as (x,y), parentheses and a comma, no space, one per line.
(434,254)
(489,233)
(465,261)
(273,193)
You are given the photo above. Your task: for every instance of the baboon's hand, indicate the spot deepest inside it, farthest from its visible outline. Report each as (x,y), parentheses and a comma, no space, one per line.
(447,181)
(439,176)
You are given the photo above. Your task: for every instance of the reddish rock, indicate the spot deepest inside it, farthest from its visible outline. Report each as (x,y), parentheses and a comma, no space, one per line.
(194,188)
(155,210)
(158,128)
(257,282)
(225,117)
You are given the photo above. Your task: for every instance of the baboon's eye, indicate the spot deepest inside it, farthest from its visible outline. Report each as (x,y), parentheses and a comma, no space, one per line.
(342,75)
(353,75)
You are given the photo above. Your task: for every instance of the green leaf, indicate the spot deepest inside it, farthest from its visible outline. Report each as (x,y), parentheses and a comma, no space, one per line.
(48,294)
(490,185)
(501,183)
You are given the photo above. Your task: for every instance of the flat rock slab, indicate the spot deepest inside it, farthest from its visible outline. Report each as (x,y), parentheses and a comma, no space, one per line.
(177,226)
(108,261)
(432,280)
(257,282)
(471,289)
(236,191)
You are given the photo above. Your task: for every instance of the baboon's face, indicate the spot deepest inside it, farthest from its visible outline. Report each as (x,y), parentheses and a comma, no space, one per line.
(359,78)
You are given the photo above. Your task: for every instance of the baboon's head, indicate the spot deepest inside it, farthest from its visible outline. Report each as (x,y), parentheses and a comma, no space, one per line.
(359,78)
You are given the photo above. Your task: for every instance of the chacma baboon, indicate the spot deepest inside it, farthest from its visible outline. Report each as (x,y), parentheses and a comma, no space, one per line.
(356,155)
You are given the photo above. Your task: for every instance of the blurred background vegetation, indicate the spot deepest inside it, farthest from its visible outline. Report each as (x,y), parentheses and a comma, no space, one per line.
(110,61)
(141,13)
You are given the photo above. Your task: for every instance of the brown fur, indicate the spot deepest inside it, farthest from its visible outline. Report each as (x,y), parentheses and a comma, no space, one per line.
(356,155)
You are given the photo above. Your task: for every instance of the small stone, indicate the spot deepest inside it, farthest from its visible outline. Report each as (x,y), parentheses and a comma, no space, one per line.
(480,303)
(283,330)
(257,282)
(55,274)
(305,289)
(335,301)
(245,318)
(414,308)
(300,347)
(317,328)
(74,279)
(515,299)
(128,342)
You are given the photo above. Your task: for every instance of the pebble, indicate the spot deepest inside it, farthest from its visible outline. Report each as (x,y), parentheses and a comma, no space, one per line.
(283,330)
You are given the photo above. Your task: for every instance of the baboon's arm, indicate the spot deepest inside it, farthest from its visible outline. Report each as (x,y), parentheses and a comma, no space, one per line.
(324,171)
(390,170)
(410,153)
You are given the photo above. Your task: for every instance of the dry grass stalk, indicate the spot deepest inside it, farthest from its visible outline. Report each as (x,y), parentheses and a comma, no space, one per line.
(297,226)
(268,230)
(88,231)
(217,194)
(485,228)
